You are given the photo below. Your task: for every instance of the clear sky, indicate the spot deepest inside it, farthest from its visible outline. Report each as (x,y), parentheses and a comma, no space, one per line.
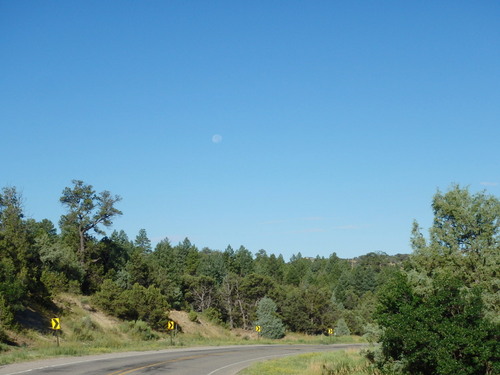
(290,126)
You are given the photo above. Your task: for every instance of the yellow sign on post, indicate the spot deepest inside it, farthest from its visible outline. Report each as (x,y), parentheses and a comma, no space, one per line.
(56,326)
(258,328)
(330,331)
(170,325)
(56,323)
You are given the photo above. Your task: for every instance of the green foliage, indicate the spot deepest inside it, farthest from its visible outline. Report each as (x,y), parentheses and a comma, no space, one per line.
(141,330)
(329,363)
(200,291)
(85,329)
(12,290)
(308,309)
(142,241)
(441,332)
(19,258)
(193,316)
(108,298)
(341,329)
(57,282)
(87,211)
(6,313)
(271,325)
(214,315)
(441,316)
(61,269)
(138,269)
(130,280)
(464,242)
(137,303)
(212,265)
(146,304)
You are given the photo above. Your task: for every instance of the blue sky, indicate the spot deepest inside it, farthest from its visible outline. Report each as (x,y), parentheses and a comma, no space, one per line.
(335,122)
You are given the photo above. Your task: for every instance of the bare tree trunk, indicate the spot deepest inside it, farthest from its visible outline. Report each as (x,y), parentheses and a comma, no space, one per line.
(81,250)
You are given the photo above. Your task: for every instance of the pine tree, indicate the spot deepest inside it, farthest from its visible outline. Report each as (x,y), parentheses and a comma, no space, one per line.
(341,329)
(271,325)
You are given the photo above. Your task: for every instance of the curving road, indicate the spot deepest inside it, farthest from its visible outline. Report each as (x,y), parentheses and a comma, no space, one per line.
(227,360)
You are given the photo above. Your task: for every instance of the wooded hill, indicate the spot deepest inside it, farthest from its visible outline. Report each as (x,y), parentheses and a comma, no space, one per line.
(131,280)
(446,290)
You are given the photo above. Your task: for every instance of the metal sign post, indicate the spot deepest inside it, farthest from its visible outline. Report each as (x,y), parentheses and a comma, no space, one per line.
(258,329)
(56,326)
(172,329)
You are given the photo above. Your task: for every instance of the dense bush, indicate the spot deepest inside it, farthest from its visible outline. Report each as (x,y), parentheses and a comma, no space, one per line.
(85,329)
(271,325)
(193,316)
(341,329)
(137,303)
(140,329)
(443,331)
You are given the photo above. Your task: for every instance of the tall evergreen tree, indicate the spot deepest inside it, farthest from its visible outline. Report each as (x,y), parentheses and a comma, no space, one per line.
(142,241)
(87,211)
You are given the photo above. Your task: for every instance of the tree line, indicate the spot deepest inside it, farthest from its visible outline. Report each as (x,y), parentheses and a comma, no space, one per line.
(435,311)
(132,280)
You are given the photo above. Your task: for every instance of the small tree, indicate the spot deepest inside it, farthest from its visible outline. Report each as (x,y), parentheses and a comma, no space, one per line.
(271,325)
(341,329)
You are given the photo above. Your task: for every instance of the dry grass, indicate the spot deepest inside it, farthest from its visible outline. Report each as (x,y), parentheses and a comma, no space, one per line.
(87,330)
(348,362)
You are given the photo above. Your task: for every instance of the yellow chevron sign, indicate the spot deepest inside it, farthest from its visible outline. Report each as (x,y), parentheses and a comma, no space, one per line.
(56,323)
(170,325)
(330,331)
(258,328)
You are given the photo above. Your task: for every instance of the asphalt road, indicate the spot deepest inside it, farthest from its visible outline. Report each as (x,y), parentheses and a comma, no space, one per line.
(227,360)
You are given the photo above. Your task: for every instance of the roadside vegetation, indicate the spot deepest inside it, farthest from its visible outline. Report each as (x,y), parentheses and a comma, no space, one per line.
(333,363)
(434,311)
(86,331)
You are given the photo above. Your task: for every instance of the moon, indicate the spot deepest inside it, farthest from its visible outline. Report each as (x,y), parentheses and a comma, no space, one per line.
(216,138)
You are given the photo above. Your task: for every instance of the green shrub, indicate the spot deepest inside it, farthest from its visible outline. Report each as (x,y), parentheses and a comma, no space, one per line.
(141,330)
(85,329)
(271,325)
(107,298)
(341,329)
(193,316)
(214,316)
(57,282)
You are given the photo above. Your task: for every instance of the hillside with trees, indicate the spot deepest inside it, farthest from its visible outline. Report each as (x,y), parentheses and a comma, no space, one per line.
(130,279)
(437,309)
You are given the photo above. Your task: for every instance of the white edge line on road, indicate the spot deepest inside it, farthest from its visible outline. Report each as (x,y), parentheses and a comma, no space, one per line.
(51,366)
(248,360)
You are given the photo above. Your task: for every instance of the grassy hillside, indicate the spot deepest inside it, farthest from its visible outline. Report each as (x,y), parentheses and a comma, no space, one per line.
(87,330)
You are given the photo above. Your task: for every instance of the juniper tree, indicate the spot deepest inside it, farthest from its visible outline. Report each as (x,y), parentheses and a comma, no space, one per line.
(271,325)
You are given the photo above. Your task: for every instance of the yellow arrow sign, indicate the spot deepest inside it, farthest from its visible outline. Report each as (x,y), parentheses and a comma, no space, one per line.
(330,331)
(56,324)
(258,328)
(170,325)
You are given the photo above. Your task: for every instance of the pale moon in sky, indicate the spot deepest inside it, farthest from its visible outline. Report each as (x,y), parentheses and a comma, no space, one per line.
(216,138)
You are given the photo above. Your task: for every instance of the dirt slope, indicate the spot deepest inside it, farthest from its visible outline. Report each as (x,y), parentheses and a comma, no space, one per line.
(204,328)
